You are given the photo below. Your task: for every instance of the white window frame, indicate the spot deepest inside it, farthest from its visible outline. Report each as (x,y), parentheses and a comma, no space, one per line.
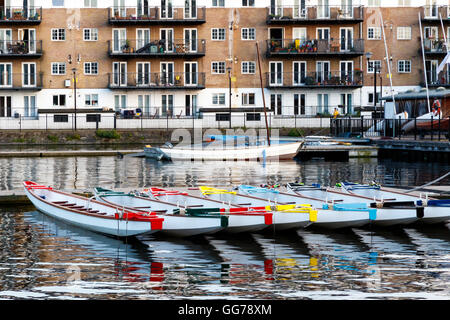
(370,68)
(217,98)
(218,68)
(218,3)
(58,66)
(90,64)
(218,35)
(248,3)
(59,36)
(404,33)
(406,66)
(246,67)
(93,34)
(376,33)
(90,97)
(245,100)
(245,34)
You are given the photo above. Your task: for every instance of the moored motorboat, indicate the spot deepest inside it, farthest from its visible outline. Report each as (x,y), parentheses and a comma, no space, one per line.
(329,216)
(91,214)
(434,210)
(397,213)
(238,219)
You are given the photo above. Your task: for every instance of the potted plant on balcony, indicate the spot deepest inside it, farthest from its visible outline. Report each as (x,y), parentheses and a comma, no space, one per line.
(126,46)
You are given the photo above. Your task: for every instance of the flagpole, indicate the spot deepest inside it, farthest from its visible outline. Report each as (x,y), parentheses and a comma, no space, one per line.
(424,64)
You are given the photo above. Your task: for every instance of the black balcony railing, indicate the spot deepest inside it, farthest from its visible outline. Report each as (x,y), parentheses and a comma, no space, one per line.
(157,48)
(25,81)
(441,80)
(314,79)
(342,46)
(31,15)
(160,80)
(188,15)
(20,48)
(298,14)
(435,46)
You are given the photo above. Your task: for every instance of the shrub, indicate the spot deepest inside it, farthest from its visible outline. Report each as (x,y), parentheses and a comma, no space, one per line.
(107,134)
(52,138)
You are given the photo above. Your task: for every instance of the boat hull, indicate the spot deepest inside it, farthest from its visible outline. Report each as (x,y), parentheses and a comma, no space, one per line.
(112,227)
(331,219)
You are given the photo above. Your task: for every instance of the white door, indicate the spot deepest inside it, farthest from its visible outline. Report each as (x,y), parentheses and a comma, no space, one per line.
(347,8)
(431,9)
(143,73)
(166,9)
(190,9)
(144,104)
(322,103)
(166,36)
(5,75)
(29,74)
(276,103)
(347,72)
(190,73)
(119,74)
(167,105)
(191,104)
(432,75)
(346,39)
(190,40)
(119,39)
(143,8)
(276,8)
(167,76)
(5,40)
(276,73)
(323,9)
(322,71)
(299,68)
(119,8)
(300,11)
(299,34)
(142,37)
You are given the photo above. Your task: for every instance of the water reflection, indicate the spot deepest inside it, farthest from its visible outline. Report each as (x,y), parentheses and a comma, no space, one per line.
(135,172)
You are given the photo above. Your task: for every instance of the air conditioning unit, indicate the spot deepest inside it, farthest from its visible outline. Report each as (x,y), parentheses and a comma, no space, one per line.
(67,83)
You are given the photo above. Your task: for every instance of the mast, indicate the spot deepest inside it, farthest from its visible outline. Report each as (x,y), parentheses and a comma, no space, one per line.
(262,91)
(424,64)
(388,62)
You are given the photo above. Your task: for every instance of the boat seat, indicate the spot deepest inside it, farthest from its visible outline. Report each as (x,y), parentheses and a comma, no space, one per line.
(195,206)
(101,213)
(69,204)
(59,202)
(78,207)
(244,204)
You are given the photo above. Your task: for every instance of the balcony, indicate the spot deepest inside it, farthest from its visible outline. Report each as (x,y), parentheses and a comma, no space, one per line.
(314,47)
(434,12)
(21,81)
(20,15)
(157,81)
(21,48)
(435,46)
(314,14)
(435,80)
(311,80)
(157,48)
(156,15)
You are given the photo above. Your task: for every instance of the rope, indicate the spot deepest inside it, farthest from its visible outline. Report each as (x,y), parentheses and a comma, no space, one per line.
(429,183)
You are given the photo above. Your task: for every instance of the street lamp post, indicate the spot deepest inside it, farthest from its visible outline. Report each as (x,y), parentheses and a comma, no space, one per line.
(74,70)
(229,85)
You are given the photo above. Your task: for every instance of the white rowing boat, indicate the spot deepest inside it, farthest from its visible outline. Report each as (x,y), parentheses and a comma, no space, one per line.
(433,210)
(237,219)
(389,215)
(176,222)
(91,214)
(329,216)
(279,151)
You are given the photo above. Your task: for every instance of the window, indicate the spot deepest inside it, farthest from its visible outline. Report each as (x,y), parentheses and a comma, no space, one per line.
(58,68)
(404,3)
(248,67)
(218,3)
(61,118)
(248,3)
(90,34)
(218,67)
(58,3)
(218,99)
(374,3)
(374,33)
(248,99)
(90,3)
(93,118)
(403,33)
(370,97)
(370,65)
(91,68)
(58,34)
(91,99)
(59,100)
(404,66)
(218,34)
(222,117)
(248,34)
(253,116)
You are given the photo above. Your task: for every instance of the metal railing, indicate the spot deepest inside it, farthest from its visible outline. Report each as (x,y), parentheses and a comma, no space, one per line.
(165,80)
(20,47)
(315,46)
(19,14)
(312,79)
(417,129)
(152,14)
(434,11)
(20,80)
(319,12)
(442,79)
(435,45)
(142,47)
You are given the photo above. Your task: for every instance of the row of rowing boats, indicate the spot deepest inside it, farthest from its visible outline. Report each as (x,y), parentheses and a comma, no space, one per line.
(207,210)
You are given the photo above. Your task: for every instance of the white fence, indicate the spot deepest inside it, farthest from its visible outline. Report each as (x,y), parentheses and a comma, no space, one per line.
(52,122)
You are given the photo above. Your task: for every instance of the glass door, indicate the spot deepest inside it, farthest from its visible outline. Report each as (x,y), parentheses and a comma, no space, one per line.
(346,35)
(29,74)
(167,76)
(300,9)
(191,105)
(299,68)
(322,71)
(143,73)
(143,38)
(347,72)
(119,73)
(276,73)
(190,40)
(119,40)
(5,75)
(167,39)
(190,9)
(276,103)
(190,74)
(166,9)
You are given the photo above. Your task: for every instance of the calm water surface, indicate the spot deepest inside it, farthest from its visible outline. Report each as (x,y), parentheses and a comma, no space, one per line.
(41,258)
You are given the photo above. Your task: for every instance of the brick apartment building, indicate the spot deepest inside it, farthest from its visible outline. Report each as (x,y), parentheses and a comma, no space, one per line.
(178,58)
